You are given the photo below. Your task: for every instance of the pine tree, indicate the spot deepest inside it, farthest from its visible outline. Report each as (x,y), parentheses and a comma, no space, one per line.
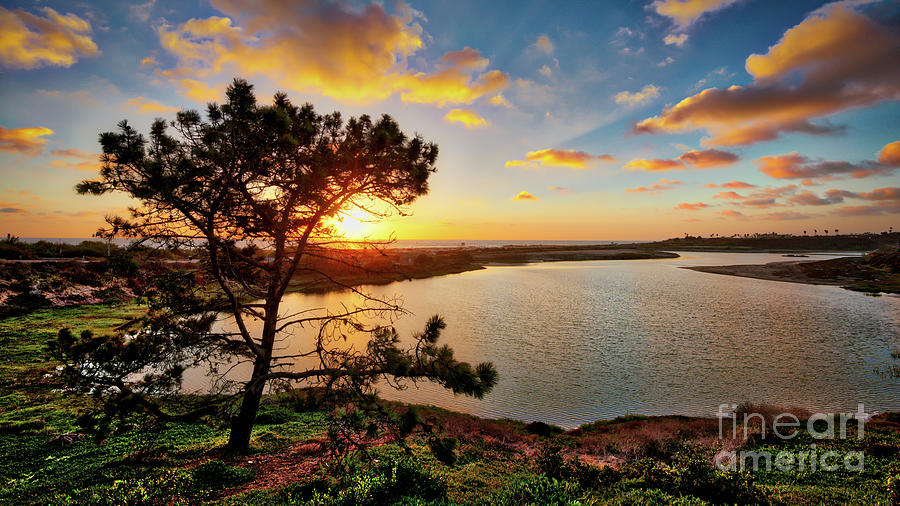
(252,186)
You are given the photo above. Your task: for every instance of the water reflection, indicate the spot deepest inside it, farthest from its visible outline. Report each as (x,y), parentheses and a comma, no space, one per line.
(578,341)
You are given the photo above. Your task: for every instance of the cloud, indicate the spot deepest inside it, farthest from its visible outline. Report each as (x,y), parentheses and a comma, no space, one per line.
(559,189)
(568,158)
(27,141)
(83,160)
(466,117)
(760,198)
(675,40)
(796,166)
(684,13)
(524,195)
(646,94)
(836,59)
(30,41)
(687,206)
(737,185)
(729,196)
(358,54)
(149,61)
(544,44)
(466,58)
(142,11)
(731,213)
(545,71)
(890,154)
(707,159)
(808,198)
(786,216)
(500,100)
(654,165)
(662,185)
(668,61)
(147,106)
(879,209)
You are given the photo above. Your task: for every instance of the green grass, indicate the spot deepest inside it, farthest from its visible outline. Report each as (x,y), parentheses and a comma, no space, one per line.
(43,460)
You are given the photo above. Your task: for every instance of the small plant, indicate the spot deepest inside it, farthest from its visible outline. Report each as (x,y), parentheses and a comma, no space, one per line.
(538,489)
(215,474)
(443,448)
(893,486)
(390,480)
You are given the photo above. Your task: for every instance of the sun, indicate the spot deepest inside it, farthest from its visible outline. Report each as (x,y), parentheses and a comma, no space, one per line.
(352,224)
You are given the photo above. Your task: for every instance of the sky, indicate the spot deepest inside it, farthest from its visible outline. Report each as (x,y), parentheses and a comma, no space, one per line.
(616,120)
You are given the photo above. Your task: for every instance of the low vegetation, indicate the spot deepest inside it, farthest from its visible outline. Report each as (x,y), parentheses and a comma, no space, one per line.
(49,455)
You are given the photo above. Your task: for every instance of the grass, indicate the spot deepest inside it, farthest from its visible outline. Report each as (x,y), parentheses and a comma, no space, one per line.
(628,460)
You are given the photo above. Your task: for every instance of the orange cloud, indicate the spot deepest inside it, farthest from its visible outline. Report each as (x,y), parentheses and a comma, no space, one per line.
(662,185)
(29,41)
(450,86)
(808,198)
(653,165)
(888,193)
(147,106)
(646,94)
(699,159)
(466,58)
(544,44)
(737,185)
(86,161)
(568,158)
(687,206)
(346,53)
(879,209)
(731,213)
(836,59)
(709,158)
(796,166)
(500,100)
(27,141)
(685,12)
(466,117)
(890,154)
(524,195)
(559,189)
(728,195)
(787,216)
(607,158)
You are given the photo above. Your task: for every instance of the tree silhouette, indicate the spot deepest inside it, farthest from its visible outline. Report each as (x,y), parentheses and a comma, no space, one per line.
(253,186)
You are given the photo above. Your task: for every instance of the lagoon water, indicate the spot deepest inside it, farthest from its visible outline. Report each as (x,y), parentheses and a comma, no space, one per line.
(575,342)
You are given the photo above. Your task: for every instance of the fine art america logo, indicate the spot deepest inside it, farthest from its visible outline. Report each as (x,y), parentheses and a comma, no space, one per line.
(735,422)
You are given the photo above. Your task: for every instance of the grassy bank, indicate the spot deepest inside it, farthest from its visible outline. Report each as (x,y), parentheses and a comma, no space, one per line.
(45,458)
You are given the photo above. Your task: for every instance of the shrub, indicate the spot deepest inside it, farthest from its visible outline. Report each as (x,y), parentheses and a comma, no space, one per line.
(392,480)
(443,449)
(893,486)
(539,489)
(693,475)
(164,488)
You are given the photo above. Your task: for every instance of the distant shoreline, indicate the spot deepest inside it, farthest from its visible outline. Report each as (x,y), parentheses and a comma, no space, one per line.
(872,274)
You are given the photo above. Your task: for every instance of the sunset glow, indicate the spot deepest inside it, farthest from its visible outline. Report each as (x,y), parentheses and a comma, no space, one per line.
(560,129)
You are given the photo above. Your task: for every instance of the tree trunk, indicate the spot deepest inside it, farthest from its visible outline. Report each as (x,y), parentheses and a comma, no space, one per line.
(242,424)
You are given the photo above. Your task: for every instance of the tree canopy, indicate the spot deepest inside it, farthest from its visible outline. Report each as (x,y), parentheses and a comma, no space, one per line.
(253,187)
